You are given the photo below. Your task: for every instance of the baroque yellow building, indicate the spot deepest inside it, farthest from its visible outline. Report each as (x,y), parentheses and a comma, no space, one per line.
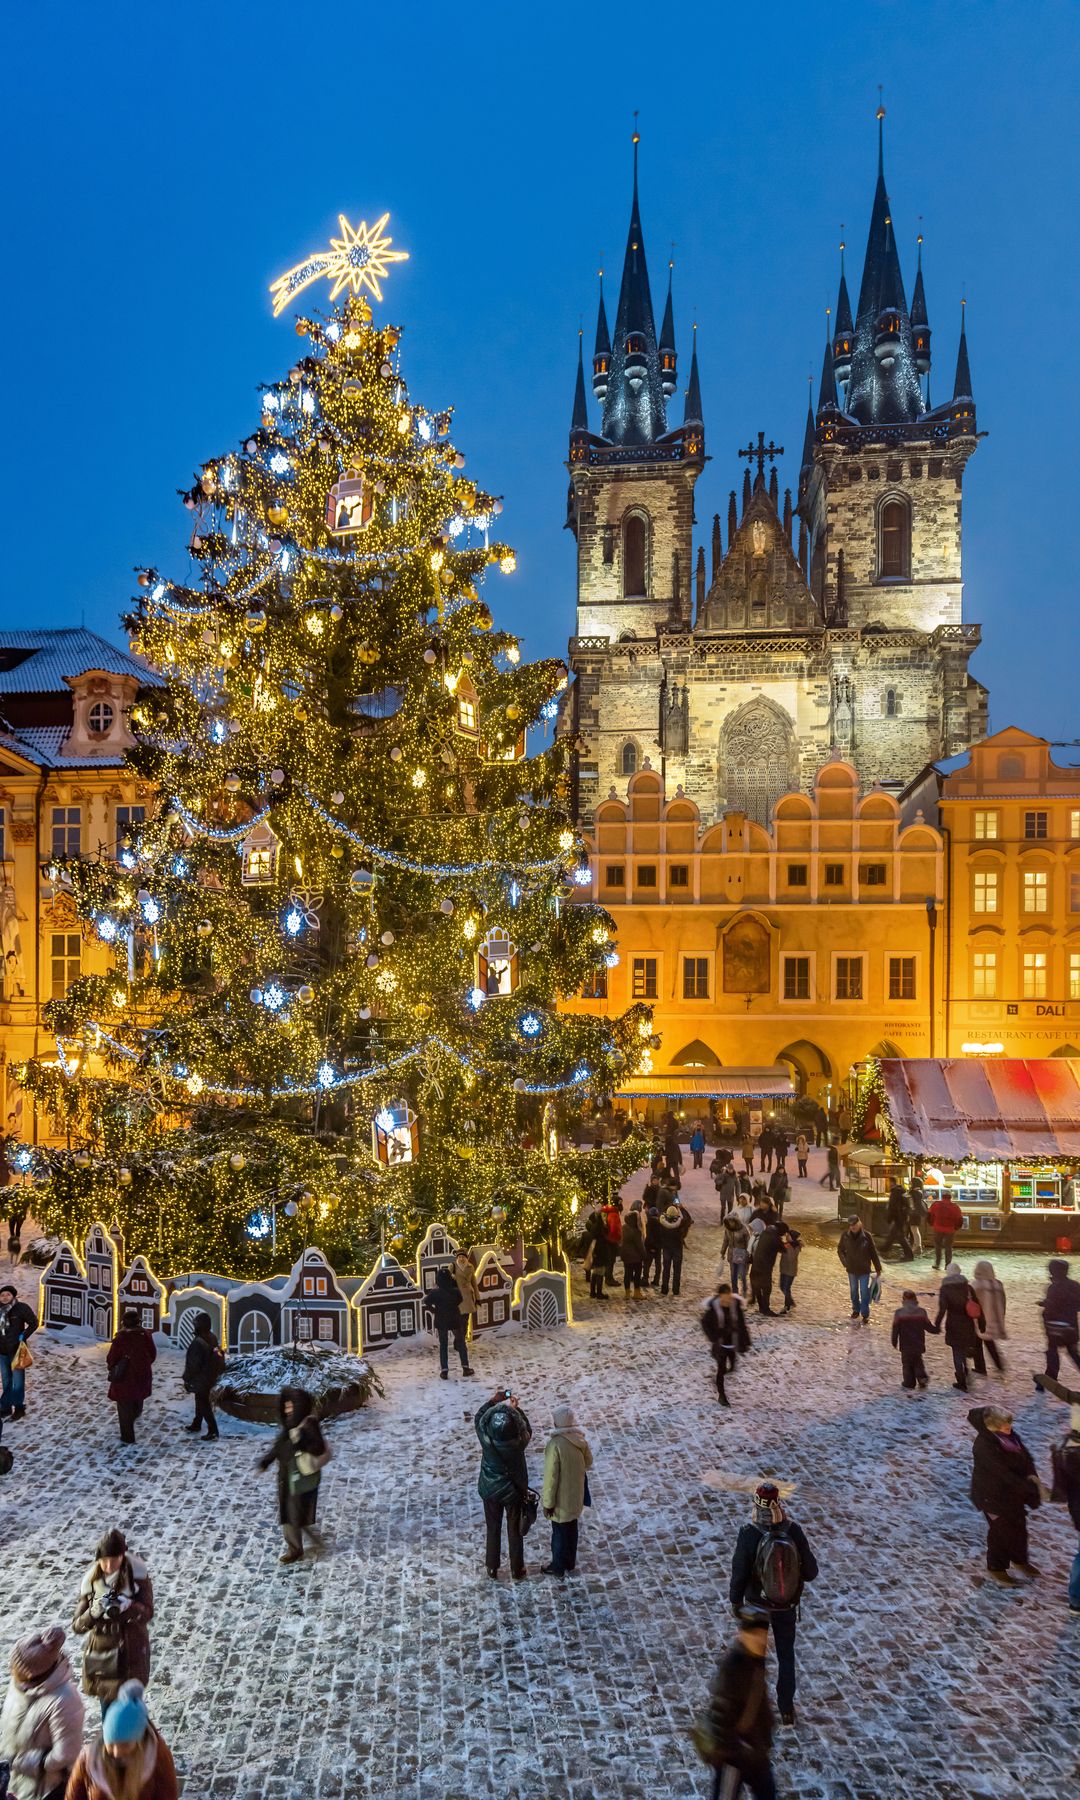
(63,790)
(806,945)
(1010,821)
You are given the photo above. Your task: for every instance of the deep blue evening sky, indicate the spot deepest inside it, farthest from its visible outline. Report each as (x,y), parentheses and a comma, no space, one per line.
(165,162)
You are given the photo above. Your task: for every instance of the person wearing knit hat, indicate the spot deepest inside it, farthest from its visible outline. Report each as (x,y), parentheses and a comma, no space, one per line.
(772,1563)
(672,1236)
(1065,1461)
(567,1461)
(131,1760)
(41,1725)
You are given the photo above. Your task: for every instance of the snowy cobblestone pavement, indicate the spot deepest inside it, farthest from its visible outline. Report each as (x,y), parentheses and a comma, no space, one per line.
(392,1667)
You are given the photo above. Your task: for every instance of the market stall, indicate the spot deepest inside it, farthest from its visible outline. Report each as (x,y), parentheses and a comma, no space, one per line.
(716,1097)
(999,1135)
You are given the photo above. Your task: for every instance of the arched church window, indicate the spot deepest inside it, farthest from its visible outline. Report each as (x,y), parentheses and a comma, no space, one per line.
(892,704)
(629,759)
(759,760)
(894,531)
(635,556)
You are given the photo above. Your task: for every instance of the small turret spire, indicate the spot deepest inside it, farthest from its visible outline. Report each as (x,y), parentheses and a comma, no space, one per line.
(717,546)
(962,383)
(668,378)
(602,350)
(692,413)
(732,518)
(580,418)
(808,435)
(920,324)
(827,392)
(844,335)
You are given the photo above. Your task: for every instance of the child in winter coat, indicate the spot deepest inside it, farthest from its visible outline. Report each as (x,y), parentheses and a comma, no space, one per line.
(41,1726)
(990,1293)
(910,1324)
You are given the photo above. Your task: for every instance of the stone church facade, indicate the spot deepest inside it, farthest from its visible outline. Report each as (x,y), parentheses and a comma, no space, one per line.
(833,628)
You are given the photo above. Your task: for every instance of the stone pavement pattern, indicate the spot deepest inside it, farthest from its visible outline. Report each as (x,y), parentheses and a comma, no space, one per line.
(392,1667)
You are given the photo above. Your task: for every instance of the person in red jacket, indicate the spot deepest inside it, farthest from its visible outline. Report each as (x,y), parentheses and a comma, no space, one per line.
(945,1221)
(131,1356)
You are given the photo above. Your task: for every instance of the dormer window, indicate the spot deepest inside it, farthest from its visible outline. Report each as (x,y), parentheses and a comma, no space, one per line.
(99,718)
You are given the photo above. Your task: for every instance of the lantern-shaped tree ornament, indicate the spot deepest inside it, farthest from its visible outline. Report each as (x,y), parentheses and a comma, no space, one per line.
(504,749)
(349,505)
(467,702)
(550,1130)
(497,964)
(259,853)
(395,1135)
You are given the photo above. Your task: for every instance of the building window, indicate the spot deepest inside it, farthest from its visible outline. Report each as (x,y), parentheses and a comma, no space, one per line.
(834,874)
(872,874)
(635,544)
(646,875)
(984,975)
(985,825)
(615,875)
(796,875)
(891,705)
(849,978)
(1074,823)
(3,834)
(1074,975)
(895,535)
(1036,890)
(1074,890)
(67,830)
(1034,965)
(99,718)
(1035,824)
(901,978)
(796,977)
(66,961)
(679,875)
(695,977)
(594,987)
(644,982)
(628,760)
(984,891)
(127,818)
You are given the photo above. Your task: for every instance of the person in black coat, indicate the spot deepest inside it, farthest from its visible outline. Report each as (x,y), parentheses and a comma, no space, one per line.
(745,1589)
(910,1325)
(736,1734)
(764,1250)
(654,1245)
(724,1324)
(16,1324)
(898,1213)
(1003,1487)
(1061,1317)
(203,1364)
(299,1451)
(955,1299)
(505,1435)
(444,1305)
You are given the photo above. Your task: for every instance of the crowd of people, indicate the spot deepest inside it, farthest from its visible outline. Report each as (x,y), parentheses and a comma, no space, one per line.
(43,1755)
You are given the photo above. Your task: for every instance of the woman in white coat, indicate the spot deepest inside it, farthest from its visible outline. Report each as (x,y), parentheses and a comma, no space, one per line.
(991,1297)
(41,1725)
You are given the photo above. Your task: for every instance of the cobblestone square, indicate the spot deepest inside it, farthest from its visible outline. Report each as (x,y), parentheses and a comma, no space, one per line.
(393,1668)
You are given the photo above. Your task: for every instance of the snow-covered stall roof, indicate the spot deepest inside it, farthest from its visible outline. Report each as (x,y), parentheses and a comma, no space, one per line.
(986,1109)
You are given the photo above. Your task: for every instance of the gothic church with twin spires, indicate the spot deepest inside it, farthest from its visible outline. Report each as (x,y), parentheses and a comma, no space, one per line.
(848,640)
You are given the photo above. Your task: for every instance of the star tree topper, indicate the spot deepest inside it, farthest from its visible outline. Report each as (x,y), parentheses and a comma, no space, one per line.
(357,259)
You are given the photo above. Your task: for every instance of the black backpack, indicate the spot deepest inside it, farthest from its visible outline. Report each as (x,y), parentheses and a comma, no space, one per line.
(778,1568)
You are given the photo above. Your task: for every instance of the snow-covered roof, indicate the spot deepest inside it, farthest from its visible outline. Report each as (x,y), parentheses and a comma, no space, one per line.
(43,662)
(984,1109)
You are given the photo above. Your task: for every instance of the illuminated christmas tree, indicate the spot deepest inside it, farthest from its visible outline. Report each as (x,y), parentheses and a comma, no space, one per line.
(340,938)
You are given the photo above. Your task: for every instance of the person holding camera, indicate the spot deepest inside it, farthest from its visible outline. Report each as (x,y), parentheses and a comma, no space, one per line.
(301,1453)
(116,1604)
(505,1434)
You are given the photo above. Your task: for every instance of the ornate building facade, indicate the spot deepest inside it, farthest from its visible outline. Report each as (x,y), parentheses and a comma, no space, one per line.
(63,790)
(848,640)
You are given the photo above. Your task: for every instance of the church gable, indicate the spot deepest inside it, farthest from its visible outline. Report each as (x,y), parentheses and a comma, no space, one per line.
(759,585)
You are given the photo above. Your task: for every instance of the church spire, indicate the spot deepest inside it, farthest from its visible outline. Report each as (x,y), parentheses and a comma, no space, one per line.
(634,403)
(827,391)
(883,387)
(844,334)
(962,383)
(668,380)
(808,434)
(580,419)
(601,362)
(920,324)
(692,413)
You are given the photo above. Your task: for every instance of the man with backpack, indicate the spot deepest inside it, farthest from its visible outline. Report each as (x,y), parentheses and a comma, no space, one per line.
(771,1565)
